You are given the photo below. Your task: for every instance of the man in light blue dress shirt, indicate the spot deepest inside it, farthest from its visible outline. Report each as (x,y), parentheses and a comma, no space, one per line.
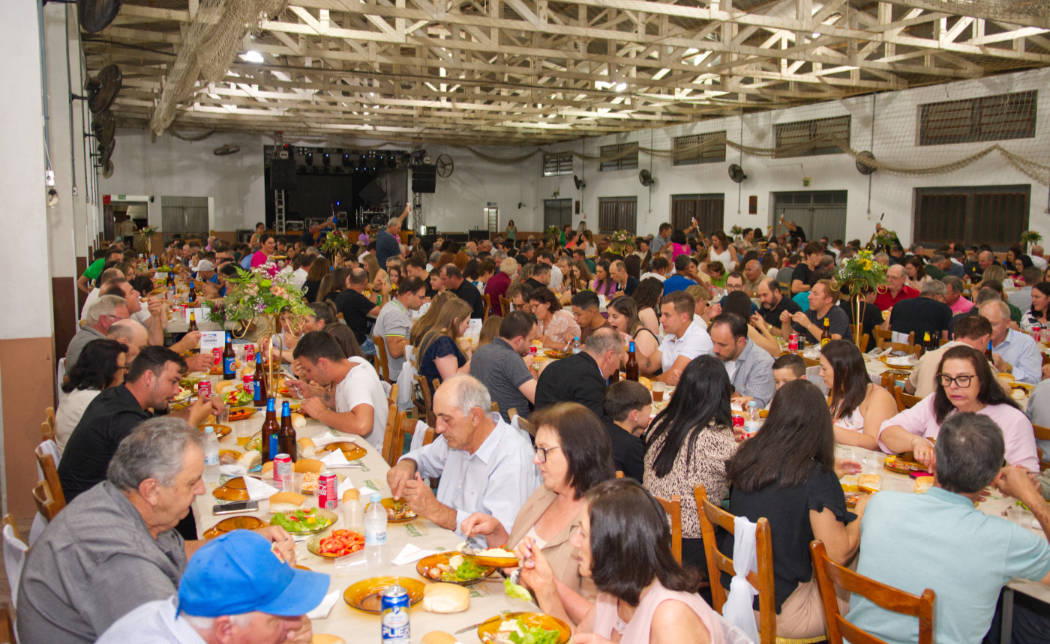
(484,463)
(1012,350)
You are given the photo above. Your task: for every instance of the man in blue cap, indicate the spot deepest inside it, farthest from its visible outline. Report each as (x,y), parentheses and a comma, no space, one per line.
(235,589)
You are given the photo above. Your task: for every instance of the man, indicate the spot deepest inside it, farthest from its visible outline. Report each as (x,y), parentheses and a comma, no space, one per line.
(753,276)
(786,368)
(107,277)
(917,541)
(683,265)
(498,283)
(896,289)
(973,331)
(102,314)
(540,277)
(924,314)
(485,465)
(750,368)
(151,382)
(1012,351)
(773,304)
(556,276)
(659,268)
(1022,296)
(131,334)
(92,272)
(628,410)
(499,364)
(235,589)
(936,267)
(975,270)
(115,547)
(1038,259)
(206,272)
(388,241)
(953,297)
(582,377)
(805,274)
(416,266)
(301,263)
(624,283)
(684,338)
(811,323)
(355,402)
(395,322)
(587,310)
(662,237)
(358,311)
(464,290)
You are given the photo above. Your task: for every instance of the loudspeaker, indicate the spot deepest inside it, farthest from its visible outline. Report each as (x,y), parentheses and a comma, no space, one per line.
(424,178)
(373,193)
(282,174)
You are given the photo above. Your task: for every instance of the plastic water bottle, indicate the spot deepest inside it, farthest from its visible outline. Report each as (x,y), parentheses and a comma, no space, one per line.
(211,455)
(375,530)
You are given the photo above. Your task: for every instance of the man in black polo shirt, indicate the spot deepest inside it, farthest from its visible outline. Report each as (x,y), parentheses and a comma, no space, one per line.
(924,314)
(358,311)
(582,378)
(628,410)
(499,364)
(821,308)
(805,274)
(773,303)
(464,290)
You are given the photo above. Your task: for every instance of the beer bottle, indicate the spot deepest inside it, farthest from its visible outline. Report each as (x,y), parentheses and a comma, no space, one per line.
(988,351)
(927,342)
(193,293)
(630,370)
(826,338)
(259,382)
(193,321)
(286,441)
(229,359)
(270,432)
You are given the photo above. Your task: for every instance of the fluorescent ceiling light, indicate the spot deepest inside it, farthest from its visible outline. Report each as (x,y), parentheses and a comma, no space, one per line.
(252,56)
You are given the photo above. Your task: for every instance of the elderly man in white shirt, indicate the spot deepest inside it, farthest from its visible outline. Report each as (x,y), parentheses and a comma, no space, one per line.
(485,464)
(684,338)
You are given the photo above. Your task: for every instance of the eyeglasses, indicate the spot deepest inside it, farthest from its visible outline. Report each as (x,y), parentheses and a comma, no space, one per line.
(541,452)
(962,382)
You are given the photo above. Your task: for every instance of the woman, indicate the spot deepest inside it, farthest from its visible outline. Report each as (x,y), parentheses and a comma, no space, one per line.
(967,384)
(318,269)
(573,454)
(426,321)
(332,285)
(1038,313)
(678,244)
(644,595)
(716,271)
(858,406)
(603,283)
(623,316)
(647,296)
(722,251)
(489,330)
(512,232)
(440,357)
(101,364)
(688,444)
(915,269)
(580,279)
(324,319)
(786,473)
(555,326)
(261,256)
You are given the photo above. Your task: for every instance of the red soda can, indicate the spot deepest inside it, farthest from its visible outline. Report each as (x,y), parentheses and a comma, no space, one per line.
(282,472)
(204,389)
(216,356)
(327,491)
(249,353)
(738,421)
(248,384)
(793,342)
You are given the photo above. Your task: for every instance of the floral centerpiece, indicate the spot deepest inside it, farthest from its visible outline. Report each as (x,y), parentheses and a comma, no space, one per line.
(261,291)
(885,238)
(621,240)
(1030,237)
(334,242)
(553,234)
(147,233)
(858,275)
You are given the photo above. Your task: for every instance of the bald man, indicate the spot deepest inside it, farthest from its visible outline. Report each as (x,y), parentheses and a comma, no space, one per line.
(896,289)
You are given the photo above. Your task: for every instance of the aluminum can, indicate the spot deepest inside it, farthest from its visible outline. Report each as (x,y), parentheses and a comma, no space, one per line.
(395,625)
(204,389)
(282,472)
(248,385)
(216,356)
(327,491)
(249,352)
(793,342)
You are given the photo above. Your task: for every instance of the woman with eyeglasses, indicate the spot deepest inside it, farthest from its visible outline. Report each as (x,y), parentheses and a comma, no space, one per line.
(967,384)
(573,454)
(644,595)
(101,365)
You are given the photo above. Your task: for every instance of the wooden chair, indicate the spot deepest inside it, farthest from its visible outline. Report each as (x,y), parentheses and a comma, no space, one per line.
(523,422)
(394,438)
(426,409)
(47,428)
(1043,434)
(488,306)
(382,360)
(904,401)
(913,349)
(50,472)
(673,508)
(45,504)
(504,305)
(831,575)
(7,626)
(884,337)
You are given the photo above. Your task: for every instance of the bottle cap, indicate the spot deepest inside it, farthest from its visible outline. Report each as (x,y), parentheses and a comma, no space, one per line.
(209,430)
(375,498)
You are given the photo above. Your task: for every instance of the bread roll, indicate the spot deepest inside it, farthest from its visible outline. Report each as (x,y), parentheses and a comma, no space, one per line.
(445,598)
(325,638)
(351,495)
(289,498)
(298,422)
(437,637)
(249,459)
(267,468)
(222,386)
(311,465)
(307,448)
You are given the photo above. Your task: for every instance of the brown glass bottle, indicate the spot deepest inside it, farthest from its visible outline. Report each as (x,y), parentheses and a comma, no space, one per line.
(630,370)
(259,383)
(192,295)
(286,443)
(270,432)
(193,321)
(229,359)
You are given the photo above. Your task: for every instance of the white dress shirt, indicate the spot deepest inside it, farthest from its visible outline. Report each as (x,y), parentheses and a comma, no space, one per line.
(694,342)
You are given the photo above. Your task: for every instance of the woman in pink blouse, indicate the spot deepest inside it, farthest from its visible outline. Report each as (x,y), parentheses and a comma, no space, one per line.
(556,326)
(263,255)
(603,283)
(967,384)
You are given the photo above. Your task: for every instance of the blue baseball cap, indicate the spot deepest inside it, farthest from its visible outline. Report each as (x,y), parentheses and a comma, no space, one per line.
(239,573)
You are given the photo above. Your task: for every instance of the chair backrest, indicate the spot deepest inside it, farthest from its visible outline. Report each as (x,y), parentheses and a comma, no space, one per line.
(45,504)
(7,626)
(1043,434)
(47,428)
(882,337)
(504,305)
(382,361)
(15,549)
(831,575)
(717,562)
(906,401)
(427,408)
(673,508)
(488,306)
(46,458)
(393,439)
(911,348)
(60,375)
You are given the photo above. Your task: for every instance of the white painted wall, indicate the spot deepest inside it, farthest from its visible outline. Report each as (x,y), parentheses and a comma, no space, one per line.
(24,214)
(173,167)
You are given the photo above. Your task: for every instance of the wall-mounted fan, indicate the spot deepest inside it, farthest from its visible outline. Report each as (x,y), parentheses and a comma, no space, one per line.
(445,166)
(104,126)
(226,150)
(580,183)
(103,88)
(95,15)
(736,173)
(646,178)
(863,167)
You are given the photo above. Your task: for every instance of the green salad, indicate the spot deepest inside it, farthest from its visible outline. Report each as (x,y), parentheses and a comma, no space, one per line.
(516,591)
(301,521)
(534,635)
(462,569)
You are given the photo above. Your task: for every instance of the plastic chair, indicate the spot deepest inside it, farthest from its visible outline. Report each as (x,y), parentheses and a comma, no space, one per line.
(15,549)
(830,575)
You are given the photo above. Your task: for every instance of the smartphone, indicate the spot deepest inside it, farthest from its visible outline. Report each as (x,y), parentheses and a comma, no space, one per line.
(235,507)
